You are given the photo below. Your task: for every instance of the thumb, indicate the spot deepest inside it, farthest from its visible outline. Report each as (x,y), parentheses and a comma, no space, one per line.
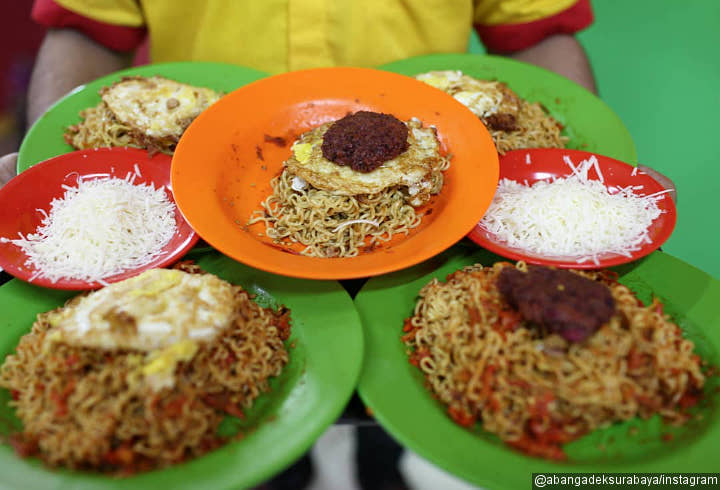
(662,179)
(8,164)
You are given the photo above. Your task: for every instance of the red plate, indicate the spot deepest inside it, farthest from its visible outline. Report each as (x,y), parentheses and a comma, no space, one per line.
(36,187)
(547,163)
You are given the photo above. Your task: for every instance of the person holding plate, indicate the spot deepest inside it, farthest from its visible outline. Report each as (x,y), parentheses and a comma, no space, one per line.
(89,40)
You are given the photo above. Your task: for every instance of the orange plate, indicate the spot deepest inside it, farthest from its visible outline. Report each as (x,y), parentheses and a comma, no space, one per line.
(223,164)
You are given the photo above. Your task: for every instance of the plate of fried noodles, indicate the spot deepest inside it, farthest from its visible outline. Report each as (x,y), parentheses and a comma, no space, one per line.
(111,418)
(540,109)
(334,173)
(49,135)
(492,371)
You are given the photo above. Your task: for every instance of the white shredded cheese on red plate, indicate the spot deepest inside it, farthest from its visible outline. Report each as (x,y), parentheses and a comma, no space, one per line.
(572,216)
(98,229)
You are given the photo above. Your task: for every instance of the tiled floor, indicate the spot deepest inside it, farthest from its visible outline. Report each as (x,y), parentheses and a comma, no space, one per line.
(334,463)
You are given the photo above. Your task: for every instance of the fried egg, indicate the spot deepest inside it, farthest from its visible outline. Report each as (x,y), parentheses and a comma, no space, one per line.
(164,313)
(150,311)
(483,97)
(157,107)
(413,168)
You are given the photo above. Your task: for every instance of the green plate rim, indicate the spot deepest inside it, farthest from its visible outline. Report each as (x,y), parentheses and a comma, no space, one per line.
(401,403)
(600,129)
(45,138)
(330,338)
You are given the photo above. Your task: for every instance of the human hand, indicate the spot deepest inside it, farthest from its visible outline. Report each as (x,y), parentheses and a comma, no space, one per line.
(662,180)
(8,164)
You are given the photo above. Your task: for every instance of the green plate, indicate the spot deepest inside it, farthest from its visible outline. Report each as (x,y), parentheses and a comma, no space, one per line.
(45,138)
(395,391)
(589,123)
(307,397)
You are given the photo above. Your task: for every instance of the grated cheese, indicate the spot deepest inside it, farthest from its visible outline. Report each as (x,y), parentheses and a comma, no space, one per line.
(573,216)
(98,229)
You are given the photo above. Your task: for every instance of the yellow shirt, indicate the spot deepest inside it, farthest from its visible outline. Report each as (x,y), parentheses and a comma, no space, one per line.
(282,35)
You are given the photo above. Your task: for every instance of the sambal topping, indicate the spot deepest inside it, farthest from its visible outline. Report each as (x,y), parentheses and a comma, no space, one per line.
(502,122)
(275,140)
(365,140)
(563,302)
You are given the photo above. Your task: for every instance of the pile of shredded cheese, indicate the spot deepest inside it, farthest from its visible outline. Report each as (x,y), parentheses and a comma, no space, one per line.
(573,216)
(99,229)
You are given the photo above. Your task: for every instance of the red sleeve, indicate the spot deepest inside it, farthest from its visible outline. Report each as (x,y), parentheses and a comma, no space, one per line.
(115,37)
(507,38)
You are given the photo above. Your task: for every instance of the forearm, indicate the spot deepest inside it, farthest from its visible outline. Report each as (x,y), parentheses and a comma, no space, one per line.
(563,54)
(67,59)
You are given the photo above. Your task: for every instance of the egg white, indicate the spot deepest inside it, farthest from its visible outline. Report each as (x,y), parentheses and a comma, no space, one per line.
(483,97)
(156,106)
(150,311)
(165,314)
